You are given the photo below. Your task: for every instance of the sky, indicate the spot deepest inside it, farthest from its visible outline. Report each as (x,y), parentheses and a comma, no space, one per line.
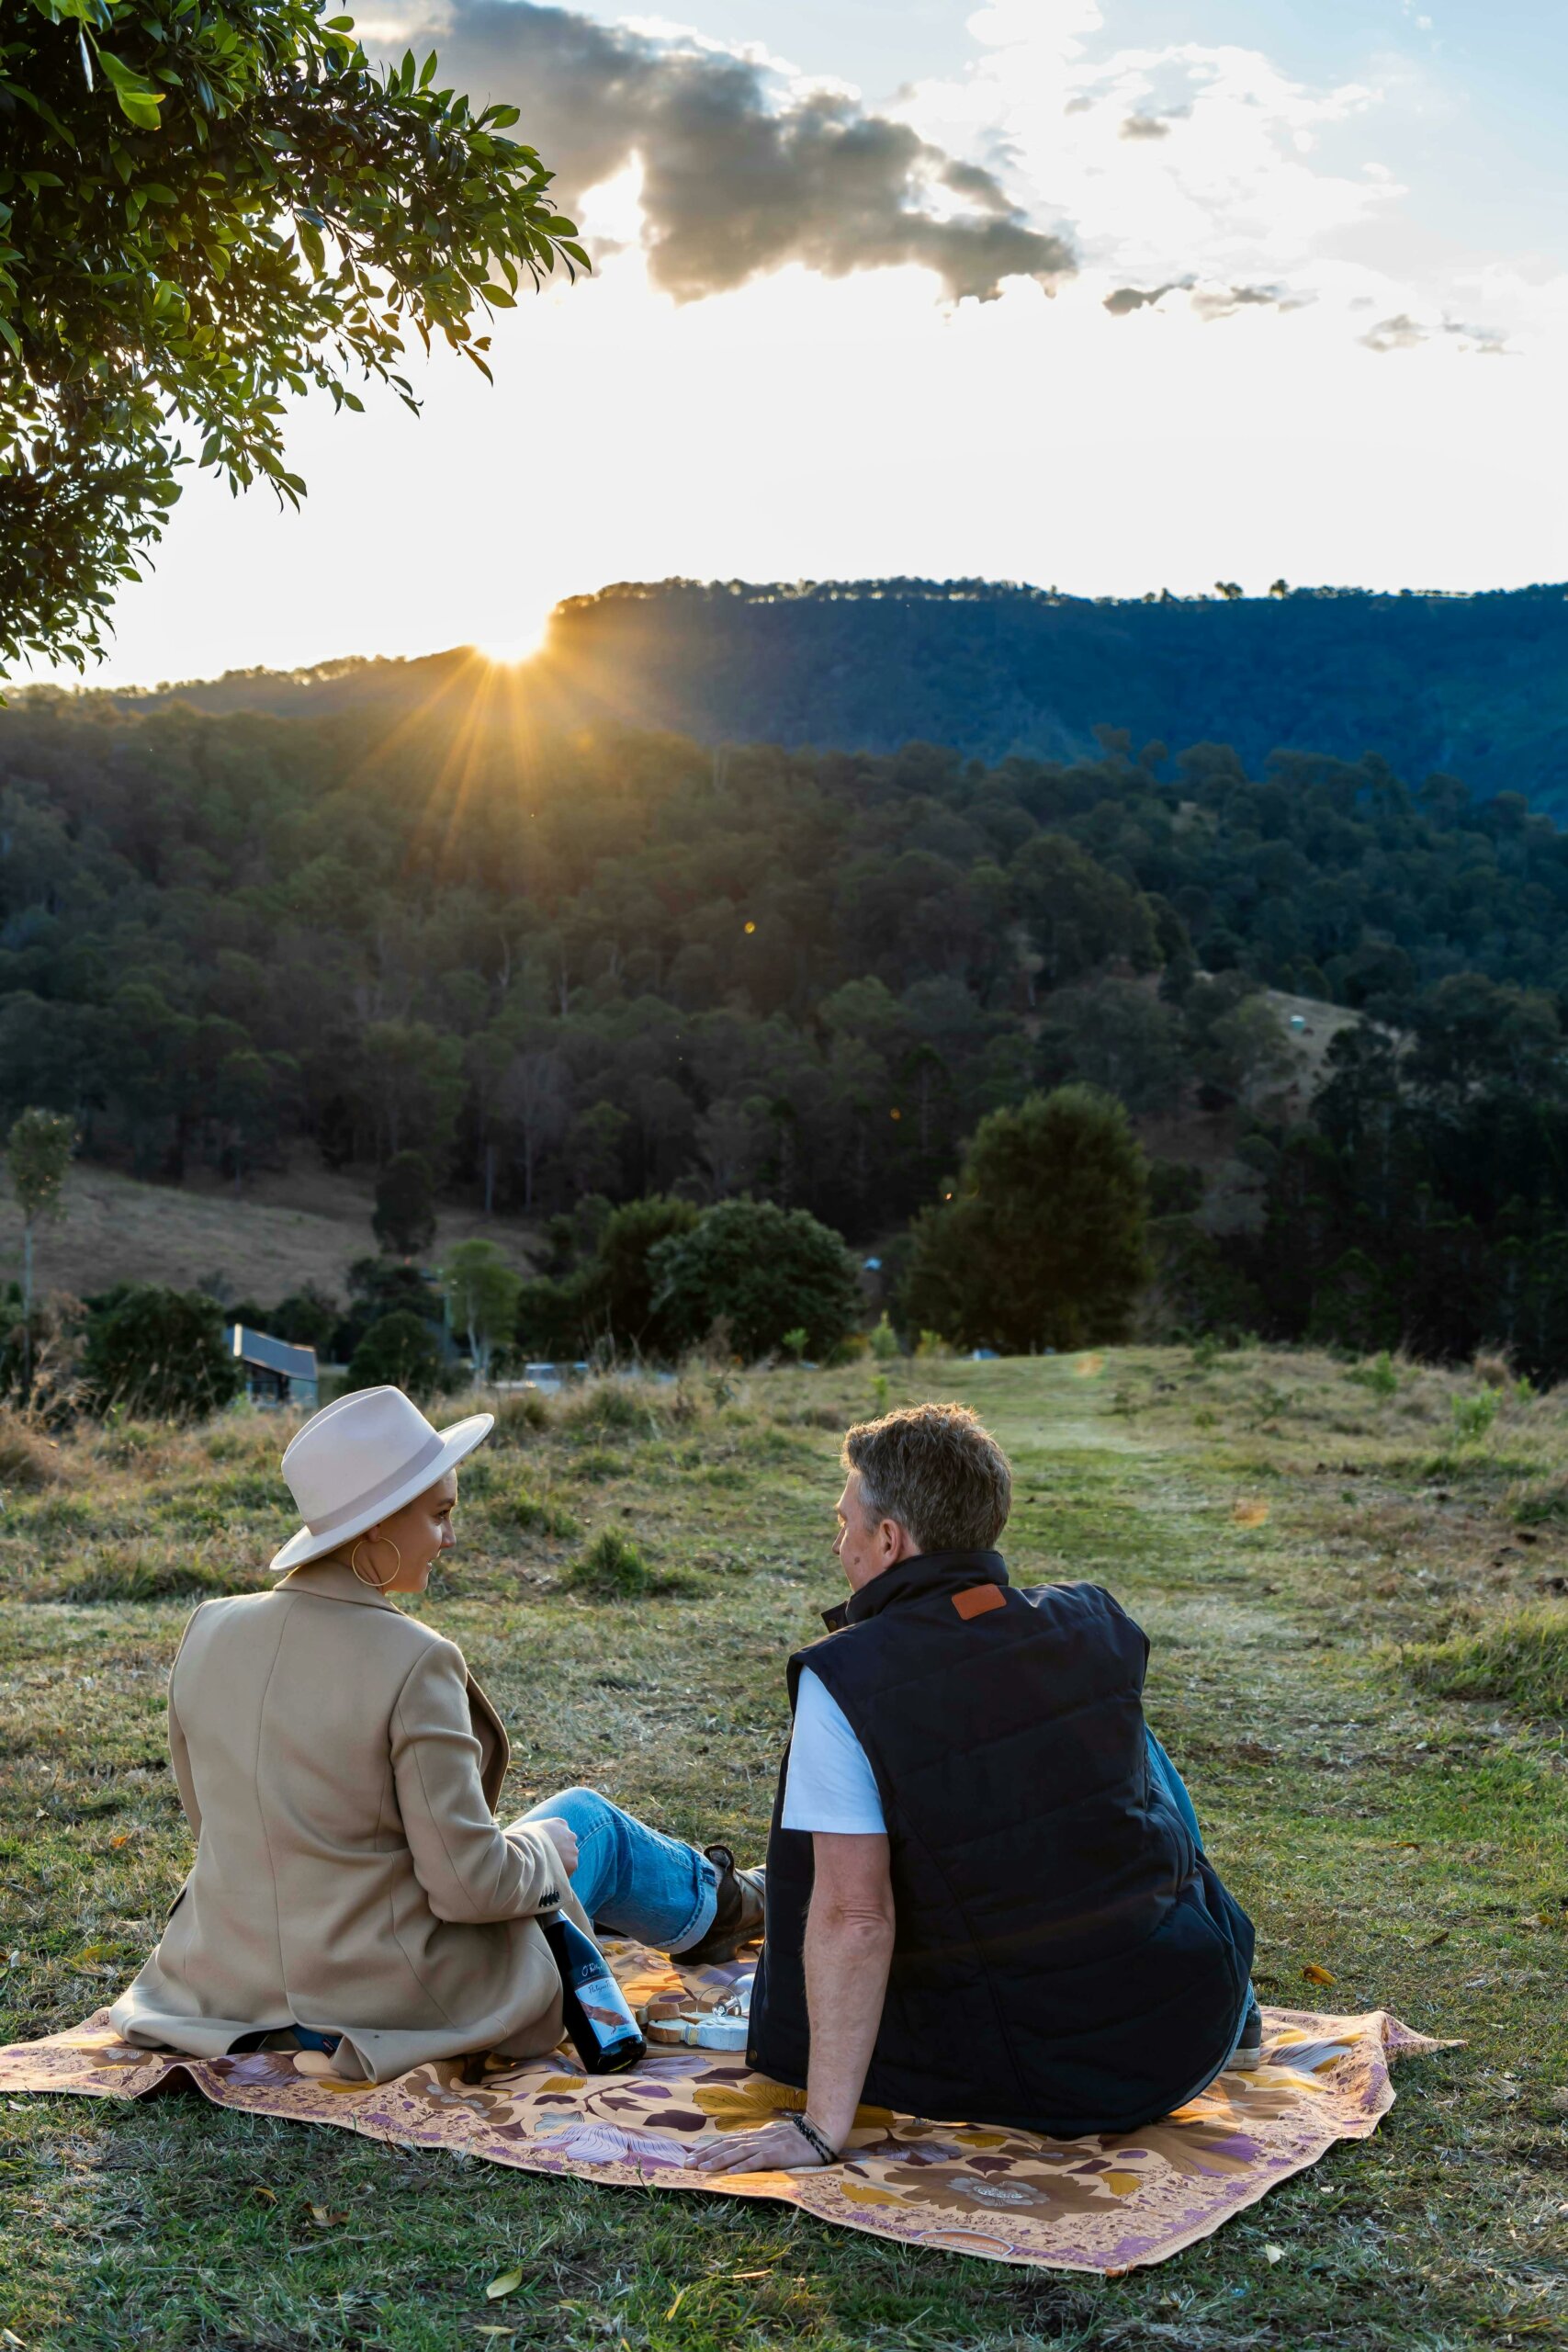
(1094,293)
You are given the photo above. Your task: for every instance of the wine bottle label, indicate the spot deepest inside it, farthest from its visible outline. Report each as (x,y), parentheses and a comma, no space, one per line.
(604,2005)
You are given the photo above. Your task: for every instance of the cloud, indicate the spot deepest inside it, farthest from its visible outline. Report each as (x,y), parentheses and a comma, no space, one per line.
(739,176)
(1208,302)
(1402,333)
(1144,126)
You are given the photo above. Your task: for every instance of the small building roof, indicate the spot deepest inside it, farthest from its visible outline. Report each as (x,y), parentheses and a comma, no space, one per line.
(272,1355)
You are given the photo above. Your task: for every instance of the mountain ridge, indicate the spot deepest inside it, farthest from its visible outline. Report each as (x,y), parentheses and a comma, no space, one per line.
(1470,684)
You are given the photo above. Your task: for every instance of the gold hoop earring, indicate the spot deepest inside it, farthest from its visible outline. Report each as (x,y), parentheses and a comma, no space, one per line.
(377,1584)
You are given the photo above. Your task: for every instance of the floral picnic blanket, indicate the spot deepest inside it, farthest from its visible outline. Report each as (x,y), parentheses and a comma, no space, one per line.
(1103,2204)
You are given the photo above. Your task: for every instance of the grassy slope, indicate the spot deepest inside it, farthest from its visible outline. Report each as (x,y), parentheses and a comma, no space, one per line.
(265,1241)
(1270,1522)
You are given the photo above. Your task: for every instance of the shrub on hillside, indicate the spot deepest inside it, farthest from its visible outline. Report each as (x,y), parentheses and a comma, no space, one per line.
(158,1354)
(400,1352)
(763,1271)
(1044,1243)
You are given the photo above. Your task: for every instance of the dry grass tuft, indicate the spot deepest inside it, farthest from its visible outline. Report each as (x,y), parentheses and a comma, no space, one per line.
(27,1458)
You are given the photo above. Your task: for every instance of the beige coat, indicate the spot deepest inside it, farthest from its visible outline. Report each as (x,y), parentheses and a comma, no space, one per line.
(340,1768)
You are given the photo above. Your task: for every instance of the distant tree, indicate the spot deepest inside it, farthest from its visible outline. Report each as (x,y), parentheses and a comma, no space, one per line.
(405,1205)
(37,1153)
(379,1286)
(207,208)
(595,1147)
(306,1319)
(620,1281)
(482,1291)
(1079,914)
(1043,1244)
(414,1085)
(1117,1037)
(159,1353)
(761,1270)
(552,1317)
(400,1352)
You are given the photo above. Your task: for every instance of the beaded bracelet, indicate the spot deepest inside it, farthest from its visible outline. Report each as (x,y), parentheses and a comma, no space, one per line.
(815,2142)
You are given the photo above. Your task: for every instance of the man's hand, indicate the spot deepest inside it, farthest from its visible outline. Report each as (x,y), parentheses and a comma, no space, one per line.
(562,1838)
(781,2148)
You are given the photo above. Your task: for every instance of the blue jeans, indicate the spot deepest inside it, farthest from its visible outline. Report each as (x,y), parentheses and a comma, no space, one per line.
(1170,1781)
(1162,1769)
(631,1880)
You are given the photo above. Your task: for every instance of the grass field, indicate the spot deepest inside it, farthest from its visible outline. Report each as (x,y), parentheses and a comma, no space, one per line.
(1353,1585)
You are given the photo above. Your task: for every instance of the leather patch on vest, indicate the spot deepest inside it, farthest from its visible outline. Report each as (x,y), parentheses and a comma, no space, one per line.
(975,1598)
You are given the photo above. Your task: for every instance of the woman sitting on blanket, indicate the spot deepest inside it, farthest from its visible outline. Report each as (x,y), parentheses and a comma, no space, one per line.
(354,1898)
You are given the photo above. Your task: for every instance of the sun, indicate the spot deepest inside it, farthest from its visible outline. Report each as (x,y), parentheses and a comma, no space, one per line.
(521,645)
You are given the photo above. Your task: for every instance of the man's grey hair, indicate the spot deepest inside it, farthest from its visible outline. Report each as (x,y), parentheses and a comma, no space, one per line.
(936,1470)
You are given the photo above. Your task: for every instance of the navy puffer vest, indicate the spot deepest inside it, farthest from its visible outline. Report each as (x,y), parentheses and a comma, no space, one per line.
(1065,1960)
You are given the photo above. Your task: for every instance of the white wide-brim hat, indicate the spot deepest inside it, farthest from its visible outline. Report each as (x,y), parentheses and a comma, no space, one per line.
(360,1460)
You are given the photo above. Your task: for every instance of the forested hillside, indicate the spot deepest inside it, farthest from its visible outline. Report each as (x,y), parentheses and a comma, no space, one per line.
(1477,685)
(618,964)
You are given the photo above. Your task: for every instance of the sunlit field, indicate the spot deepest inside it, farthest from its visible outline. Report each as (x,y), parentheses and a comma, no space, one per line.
(1354,1577)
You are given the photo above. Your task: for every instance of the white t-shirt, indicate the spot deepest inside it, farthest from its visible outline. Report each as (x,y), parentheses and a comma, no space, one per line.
(830,1784)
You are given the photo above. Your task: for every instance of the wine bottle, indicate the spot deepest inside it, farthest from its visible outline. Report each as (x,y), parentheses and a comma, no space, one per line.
(595,2010)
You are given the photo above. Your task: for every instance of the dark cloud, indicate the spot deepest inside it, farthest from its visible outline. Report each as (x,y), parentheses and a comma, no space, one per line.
(733,184)
(1209,301)
(1128,298)
(1144,126)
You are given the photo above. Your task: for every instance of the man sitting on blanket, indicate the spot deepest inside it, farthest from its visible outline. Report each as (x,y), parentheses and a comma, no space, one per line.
(988,1900)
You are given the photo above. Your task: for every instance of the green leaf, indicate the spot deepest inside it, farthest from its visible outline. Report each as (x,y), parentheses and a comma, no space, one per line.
(428,73)
(140,107)
(310,246)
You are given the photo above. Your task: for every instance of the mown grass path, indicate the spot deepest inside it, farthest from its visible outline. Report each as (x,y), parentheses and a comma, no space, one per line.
(1275,1528)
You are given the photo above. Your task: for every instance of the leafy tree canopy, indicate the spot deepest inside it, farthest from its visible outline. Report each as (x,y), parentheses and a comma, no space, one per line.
(759,1271)
(1042,1245)
(207,208)
(400,1352)
(157,1353)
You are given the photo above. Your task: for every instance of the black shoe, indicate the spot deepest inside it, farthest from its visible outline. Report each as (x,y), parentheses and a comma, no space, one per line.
(1248,2056)
(738,1910)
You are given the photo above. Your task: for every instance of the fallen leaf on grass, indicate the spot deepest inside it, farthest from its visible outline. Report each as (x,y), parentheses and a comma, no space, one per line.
(267,2196)
(121,1838)
(325,2219)
(1273,2254)
(506,2282)
(1248,1514)
(7,2338)
(1313,1975)
(1440,1937)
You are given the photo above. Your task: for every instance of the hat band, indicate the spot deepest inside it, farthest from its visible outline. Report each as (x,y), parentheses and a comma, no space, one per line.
(378,1493)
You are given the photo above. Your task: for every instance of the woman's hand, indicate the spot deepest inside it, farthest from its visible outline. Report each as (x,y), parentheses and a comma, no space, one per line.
(781,2148)
(563,1838)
